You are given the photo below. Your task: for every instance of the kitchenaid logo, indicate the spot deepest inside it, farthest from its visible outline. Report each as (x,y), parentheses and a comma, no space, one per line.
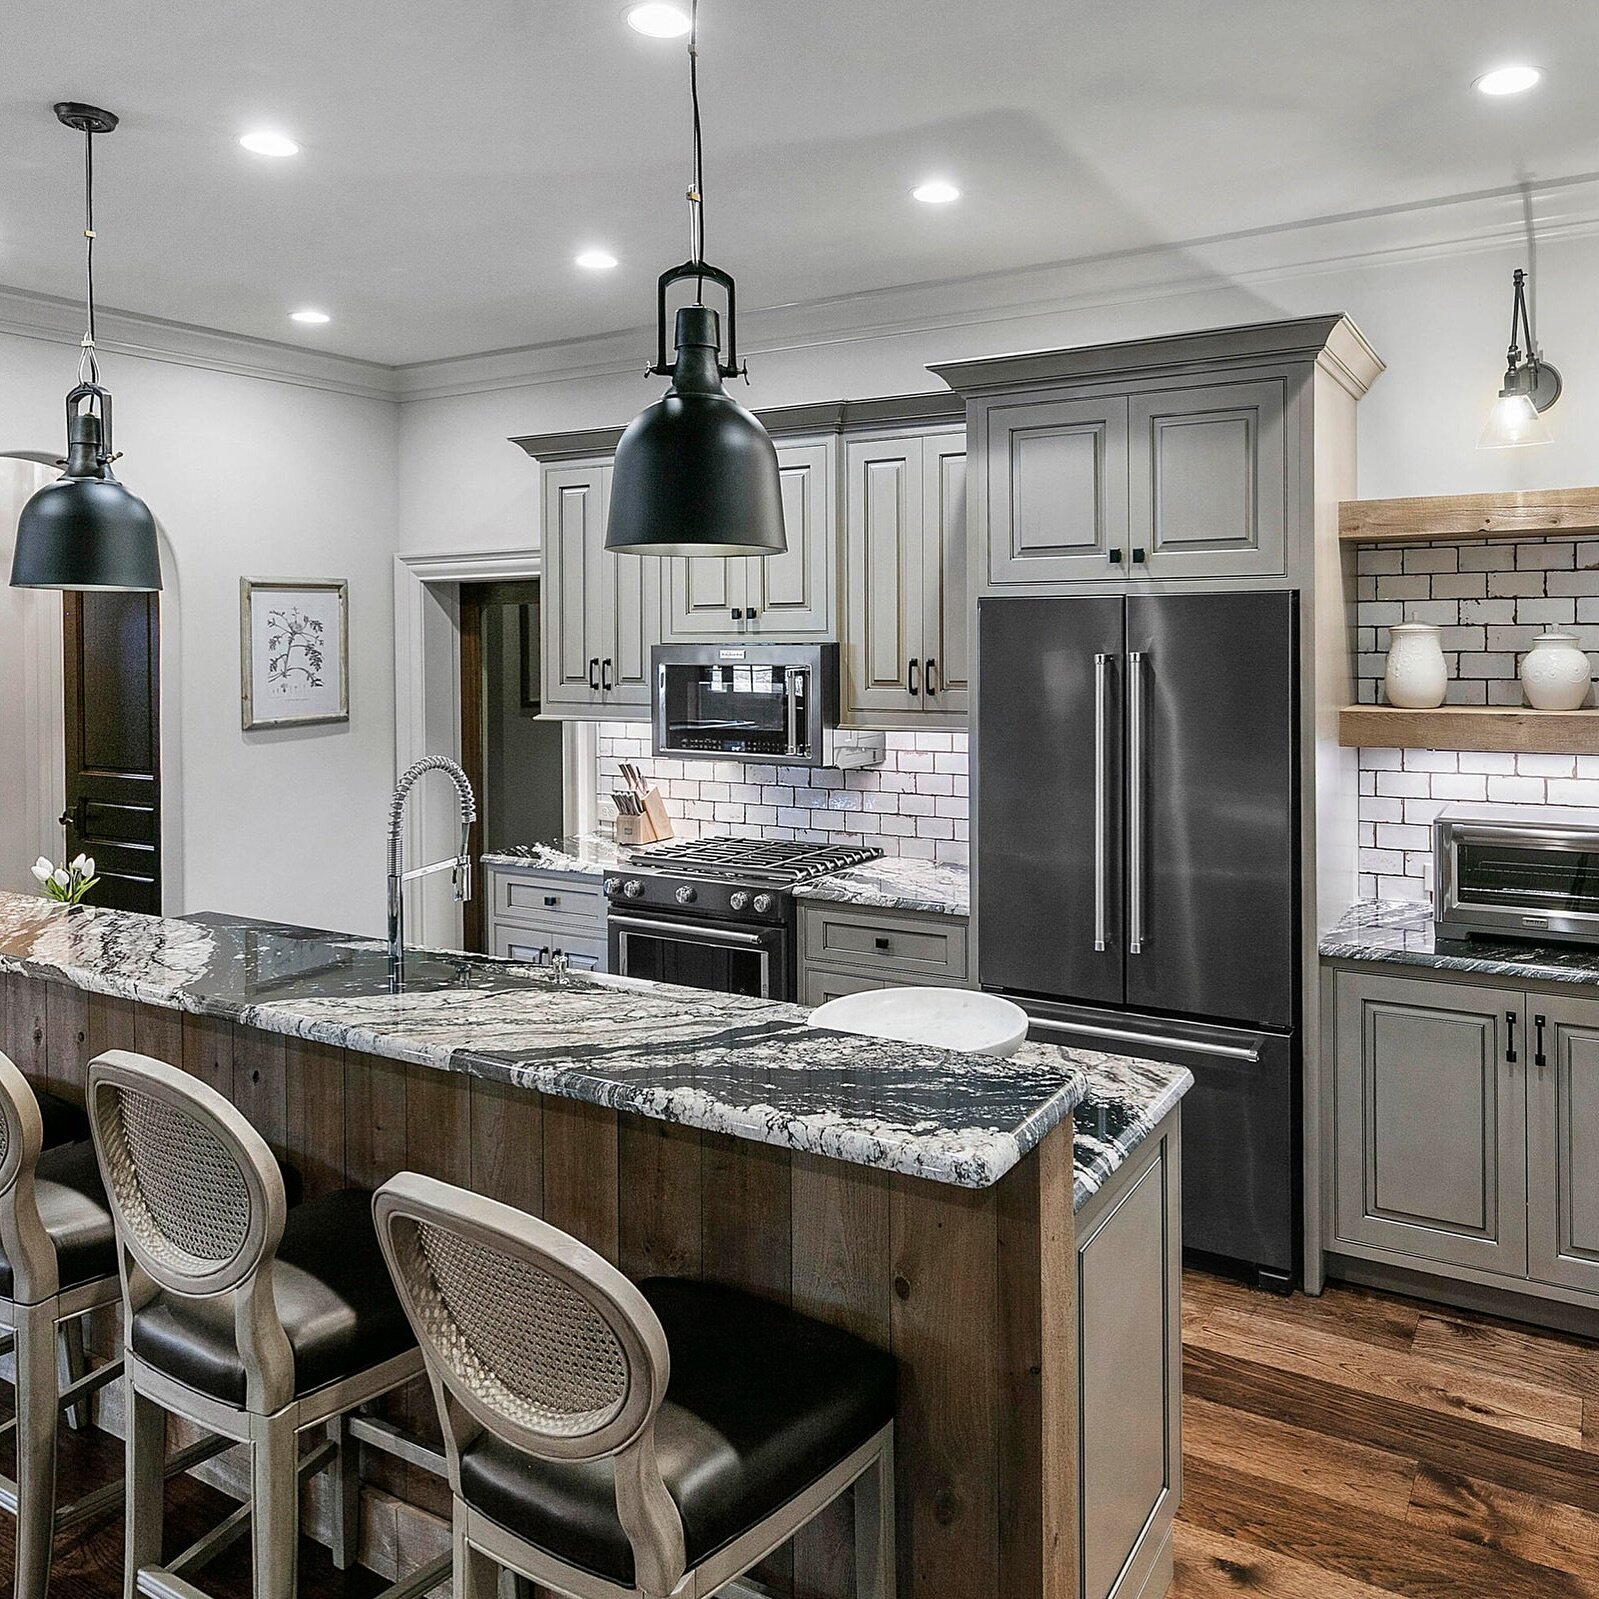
(730,655)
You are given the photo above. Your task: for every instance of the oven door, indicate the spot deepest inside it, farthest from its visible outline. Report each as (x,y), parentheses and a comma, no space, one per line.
(718,956)
(752,710)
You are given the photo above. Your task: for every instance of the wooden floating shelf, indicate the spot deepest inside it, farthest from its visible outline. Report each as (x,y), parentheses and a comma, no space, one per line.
(1538,513)
(1507,729)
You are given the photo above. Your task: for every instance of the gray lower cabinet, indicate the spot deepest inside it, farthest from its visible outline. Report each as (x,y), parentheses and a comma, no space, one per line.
(1563,1143)
(848,949)
(1466,1128)
(534,916)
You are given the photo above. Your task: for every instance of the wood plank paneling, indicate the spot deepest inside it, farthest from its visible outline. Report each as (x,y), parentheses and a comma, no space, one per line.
(580,1174)
(26,1027)
(67,1043)
(374,1119)
(508,1144)
(158,1032)
(438,1119)
(208,1051)
(661,1174)
(745,1215)
(261,1084)
(113,1024)
(314,1103)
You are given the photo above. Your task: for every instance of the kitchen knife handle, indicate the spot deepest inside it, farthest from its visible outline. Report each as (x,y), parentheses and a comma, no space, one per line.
(594,672)
(929,675)
(913,678)
(1101,801)
(1135,802)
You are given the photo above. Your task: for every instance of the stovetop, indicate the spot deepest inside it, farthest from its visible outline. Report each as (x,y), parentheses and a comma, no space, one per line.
(753,860)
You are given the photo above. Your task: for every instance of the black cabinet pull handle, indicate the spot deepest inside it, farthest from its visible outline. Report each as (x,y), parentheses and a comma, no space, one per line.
(1538,1058)
(738,614)
(552,899)
(1138,555)
(1115,557)
(929,676)
(751,614)
(1510,1046)
(544,954)
(594,672)
(913,678)
(882,943)
(605,674)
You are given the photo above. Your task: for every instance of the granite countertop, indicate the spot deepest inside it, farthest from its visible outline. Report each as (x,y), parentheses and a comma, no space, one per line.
(1401,932)
(1125,1101)
(891,883)
(896,883)
(746,1067)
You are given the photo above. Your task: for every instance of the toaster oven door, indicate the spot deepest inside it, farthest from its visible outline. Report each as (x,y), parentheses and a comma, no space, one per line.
(1533,882)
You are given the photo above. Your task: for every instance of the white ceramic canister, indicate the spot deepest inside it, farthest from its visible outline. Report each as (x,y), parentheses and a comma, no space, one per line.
(1555,673)
(1415,676)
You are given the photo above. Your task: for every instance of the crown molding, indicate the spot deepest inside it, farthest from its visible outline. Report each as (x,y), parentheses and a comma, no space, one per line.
(27,315)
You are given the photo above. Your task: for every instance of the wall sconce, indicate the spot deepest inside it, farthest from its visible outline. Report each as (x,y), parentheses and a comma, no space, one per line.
(1531,386)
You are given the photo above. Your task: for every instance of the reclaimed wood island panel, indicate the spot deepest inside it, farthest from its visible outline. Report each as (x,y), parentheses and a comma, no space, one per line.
(973,1286)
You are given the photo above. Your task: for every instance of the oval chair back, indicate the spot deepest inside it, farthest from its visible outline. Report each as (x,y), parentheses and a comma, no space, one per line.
(27,1246)
(199,1204)
(530,1335)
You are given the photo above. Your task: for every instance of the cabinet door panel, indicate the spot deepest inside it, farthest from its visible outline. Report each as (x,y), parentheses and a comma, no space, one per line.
(1208,481)
(885,563)
(703,593)
(946,618)
(632,600)
(1563,1144)
(1057,491)
(1431,1127)
(792,594)
(574,531)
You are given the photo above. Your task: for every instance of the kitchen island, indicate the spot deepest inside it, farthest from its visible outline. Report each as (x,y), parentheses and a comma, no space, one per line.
(933,1203)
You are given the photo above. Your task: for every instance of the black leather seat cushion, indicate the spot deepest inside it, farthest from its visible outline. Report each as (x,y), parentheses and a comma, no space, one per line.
(64,1122)
(73,1208)
(333,1294)
(762,1402)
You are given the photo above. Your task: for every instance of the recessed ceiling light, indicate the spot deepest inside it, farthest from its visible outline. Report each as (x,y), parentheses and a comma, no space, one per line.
(657,20)
(935,192)
(312,318)
(1508,80)
(596,260)
(264,143)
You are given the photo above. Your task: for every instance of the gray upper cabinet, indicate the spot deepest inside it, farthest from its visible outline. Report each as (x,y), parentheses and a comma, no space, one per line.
(1563,1142)
(1431,1120)
(907,657)
(606,608)
(1057,490)
(1208,476)
(788,596)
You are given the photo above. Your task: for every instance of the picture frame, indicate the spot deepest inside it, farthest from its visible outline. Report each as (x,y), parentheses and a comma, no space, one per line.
(294,651)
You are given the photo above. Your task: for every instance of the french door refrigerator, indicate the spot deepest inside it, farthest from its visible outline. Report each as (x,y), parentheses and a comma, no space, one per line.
(1138,869)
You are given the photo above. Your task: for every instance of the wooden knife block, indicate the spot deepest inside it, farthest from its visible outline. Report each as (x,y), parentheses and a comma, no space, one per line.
(650,828)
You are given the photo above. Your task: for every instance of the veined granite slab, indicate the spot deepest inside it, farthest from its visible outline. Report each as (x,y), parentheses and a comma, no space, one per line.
(1401,932)
(1126,1100)
(729,1064)
(896,883)
(584,854)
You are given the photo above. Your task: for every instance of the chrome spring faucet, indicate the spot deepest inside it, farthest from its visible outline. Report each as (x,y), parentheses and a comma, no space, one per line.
(460,865)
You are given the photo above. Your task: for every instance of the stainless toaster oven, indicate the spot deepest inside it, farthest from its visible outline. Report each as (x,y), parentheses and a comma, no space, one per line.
(1508,871)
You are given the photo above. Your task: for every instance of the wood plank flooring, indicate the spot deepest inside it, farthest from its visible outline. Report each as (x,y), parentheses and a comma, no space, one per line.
(1357,1446)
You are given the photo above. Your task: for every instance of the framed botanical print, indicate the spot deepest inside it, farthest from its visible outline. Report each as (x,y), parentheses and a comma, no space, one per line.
(294,651)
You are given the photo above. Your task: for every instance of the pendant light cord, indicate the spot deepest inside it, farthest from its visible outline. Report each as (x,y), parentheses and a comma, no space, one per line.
(88,365)
(696,192)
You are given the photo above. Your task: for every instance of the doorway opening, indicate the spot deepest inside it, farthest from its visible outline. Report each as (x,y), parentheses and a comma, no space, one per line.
(111,670)
(513,758)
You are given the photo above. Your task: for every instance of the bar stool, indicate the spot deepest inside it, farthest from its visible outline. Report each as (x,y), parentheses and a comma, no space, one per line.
(253,1321)
(609,1440)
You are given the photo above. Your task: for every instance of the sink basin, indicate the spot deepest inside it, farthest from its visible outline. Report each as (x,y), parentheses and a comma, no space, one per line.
(948,1018)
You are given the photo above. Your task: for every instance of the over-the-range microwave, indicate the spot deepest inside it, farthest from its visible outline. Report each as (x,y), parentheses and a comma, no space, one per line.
(776,703)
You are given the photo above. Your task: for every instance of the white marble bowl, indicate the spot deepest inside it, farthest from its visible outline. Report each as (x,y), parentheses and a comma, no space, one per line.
(947,1018)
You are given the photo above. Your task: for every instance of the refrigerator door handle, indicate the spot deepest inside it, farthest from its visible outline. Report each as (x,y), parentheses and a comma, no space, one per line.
(1193,1046)
(1135,802)
(1101,799)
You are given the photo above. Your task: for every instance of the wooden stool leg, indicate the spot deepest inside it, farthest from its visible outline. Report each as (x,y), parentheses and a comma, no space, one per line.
(476,1575)
(143,1487)
(346,1480)
(274,1507)
(73,1364)
(36,1447)
(875,1576)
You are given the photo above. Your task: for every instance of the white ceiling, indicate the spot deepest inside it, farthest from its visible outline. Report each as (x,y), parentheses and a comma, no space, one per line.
(458,153)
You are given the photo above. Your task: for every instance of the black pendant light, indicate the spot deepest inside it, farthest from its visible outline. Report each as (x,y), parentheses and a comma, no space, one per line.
(696,474)
(85,531)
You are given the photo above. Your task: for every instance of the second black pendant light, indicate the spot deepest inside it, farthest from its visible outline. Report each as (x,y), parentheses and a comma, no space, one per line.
(696,473)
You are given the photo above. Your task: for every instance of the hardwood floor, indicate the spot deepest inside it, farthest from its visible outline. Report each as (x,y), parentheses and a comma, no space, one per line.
(1359,1445)
(1352,1447)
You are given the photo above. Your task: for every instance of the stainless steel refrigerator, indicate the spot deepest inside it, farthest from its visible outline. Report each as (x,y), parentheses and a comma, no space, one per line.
(1138,869)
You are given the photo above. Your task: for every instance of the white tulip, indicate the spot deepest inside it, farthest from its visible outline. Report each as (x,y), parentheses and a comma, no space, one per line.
(77,864)
(42,869)
(88,866)
(60,878)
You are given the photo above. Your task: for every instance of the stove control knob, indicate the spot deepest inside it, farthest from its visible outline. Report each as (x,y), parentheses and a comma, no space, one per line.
(611,885)
(632,888)
(763,903)
(737,900)
(686,895)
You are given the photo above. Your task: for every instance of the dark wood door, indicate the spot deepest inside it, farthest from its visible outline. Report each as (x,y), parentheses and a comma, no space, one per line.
(113,740)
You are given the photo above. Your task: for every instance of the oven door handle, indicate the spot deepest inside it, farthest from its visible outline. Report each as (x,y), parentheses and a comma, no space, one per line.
(791,692)
(688,931)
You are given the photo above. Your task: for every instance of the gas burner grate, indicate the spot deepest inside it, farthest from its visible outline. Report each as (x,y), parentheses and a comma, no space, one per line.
(753,859)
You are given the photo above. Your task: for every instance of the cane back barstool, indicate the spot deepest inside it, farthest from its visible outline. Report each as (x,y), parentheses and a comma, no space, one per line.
(252,1320)
(606,1439)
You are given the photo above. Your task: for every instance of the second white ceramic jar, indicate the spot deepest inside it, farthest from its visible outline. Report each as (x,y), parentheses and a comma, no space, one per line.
(1555,673)
(1415,676)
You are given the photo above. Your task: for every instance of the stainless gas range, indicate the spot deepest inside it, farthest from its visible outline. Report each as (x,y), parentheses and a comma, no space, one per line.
(717,913)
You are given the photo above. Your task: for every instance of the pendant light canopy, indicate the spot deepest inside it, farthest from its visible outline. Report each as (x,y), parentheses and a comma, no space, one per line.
(696,473)
(1531,385)
(85,531)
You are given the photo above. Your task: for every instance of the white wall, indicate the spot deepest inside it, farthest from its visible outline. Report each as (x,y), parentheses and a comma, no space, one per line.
(248,477)
(1439,321)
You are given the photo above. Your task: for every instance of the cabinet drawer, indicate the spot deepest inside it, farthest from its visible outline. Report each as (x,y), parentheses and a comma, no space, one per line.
(818,984)
(520,898)
(535,947)
(902,948)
